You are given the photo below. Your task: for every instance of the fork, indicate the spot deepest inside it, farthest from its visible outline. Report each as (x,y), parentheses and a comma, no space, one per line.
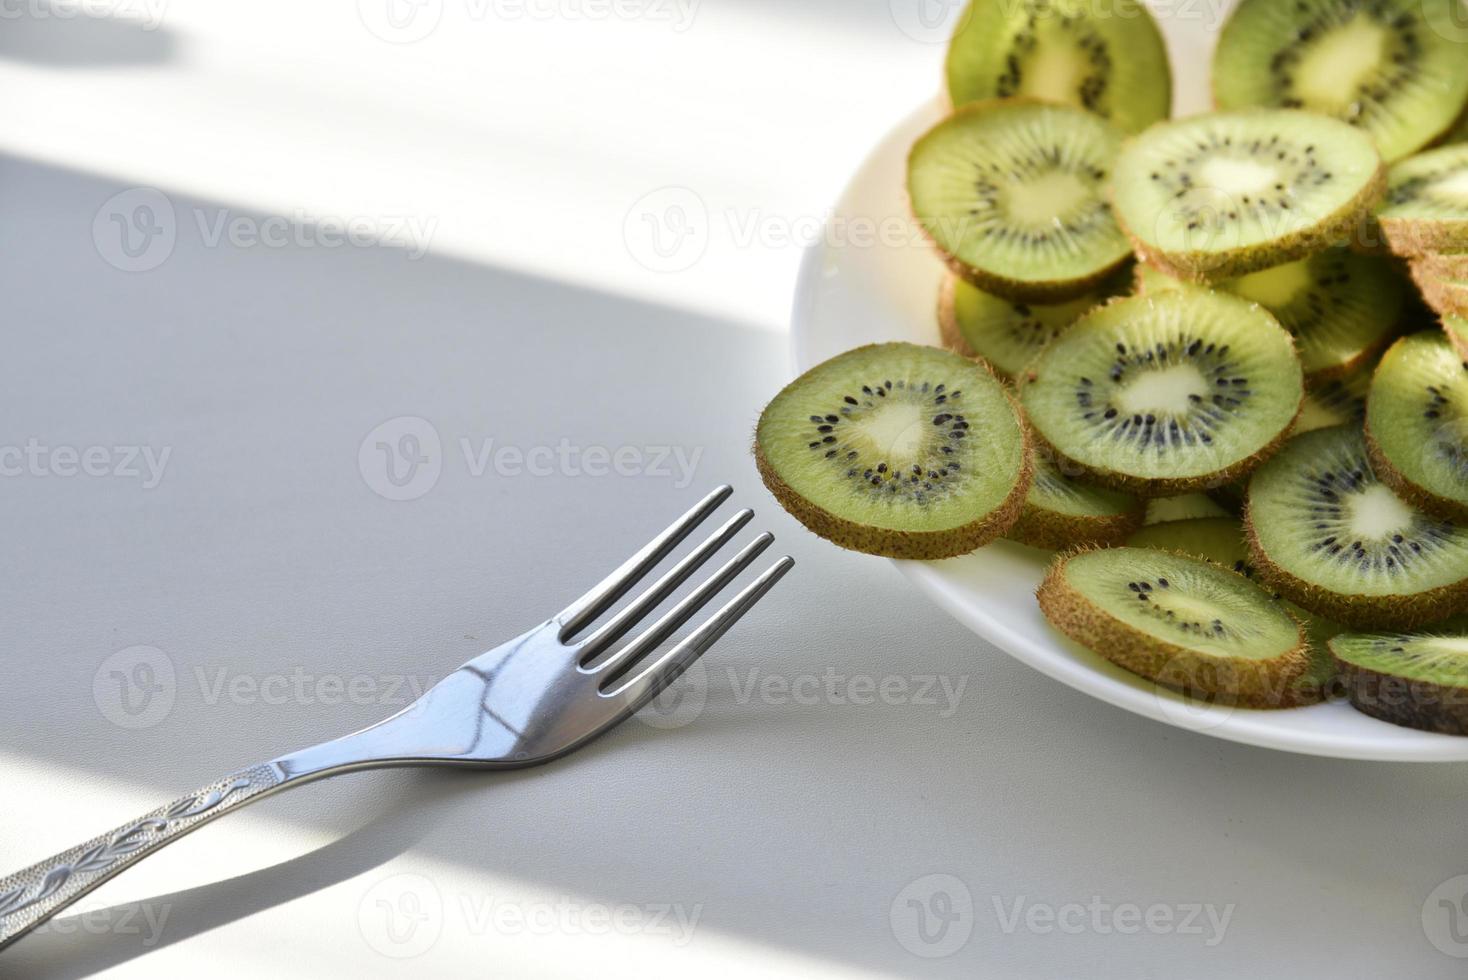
(536,698)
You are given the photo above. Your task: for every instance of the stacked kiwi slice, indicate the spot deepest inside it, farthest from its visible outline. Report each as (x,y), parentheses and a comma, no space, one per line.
(1217,364)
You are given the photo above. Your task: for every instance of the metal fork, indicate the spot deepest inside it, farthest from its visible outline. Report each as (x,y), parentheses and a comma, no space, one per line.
(528,701)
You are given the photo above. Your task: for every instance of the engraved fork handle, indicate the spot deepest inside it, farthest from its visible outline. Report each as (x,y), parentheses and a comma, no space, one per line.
(31,896)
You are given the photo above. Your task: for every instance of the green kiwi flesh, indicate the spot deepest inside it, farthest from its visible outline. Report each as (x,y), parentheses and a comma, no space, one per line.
(1393,68)
(1110,62)
(1221,540)
(1325,532)
(1013,194)
(1417,424)
(1179,621)
(1339,401)
(1342,307)
(1006,334)
(898,450)
(1426,204)
(1162,395)
(1455,328)
(1185,507)
(1417,680)
(1221,195)
(1060,512)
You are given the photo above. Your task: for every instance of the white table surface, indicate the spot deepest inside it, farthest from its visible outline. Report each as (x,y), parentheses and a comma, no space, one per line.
(770,833)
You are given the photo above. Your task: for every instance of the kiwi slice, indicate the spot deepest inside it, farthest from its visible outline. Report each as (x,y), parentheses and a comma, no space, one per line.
(1456,330)
(1161,395)
(1447,297)
(1339,401)
(1417,424)
(1185,507)
(898,450)
(1006,333)
(1221,540)
(1179,621)
(1390,67)
(1417,680)
(1221,195)
(1061,512)
(1426,204)
(1342,307)
(1442,265)
(1013,193)
(1110,61)
(1328,534)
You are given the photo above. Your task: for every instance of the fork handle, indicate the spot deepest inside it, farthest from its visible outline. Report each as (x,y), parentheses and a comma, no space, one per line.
(31,896)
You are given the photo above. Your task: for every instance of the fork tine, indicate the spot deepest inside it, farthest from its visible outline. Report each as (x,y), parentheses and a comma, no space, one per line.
(608,633)
(651,680)
(624,659)
(600,598)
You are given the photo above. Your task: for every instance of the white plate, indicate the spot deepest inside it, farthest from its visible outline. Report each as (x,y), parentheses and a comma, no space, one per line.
(871,278)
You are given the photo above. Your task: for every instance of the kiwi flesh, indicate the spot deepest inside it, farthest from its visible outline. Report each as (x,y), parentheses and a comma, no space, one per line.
(1325,532)
(1426,205)
(1007,334)
(898,450)
(1417,680)
(1455,328)
(1013,194)
(1110,62)
(1221,540)
(1179,621)
(1061,512)
(1393,68)
(1342,307)
(1417,424)
(1167,394)
(1339,401)
(1221,195)
(1185,507)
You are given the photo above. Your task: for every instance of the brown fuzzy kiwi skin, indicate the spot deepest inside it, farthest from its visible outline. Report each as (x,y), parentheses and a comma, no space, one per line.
(1157,660)
(1055,532)
(1404,701)
(896,543)
(1413,237)
(1339,228)
(948,329)
(1022,291)
(1404,612)
(1419,497)
(1446,298)
(1442,265)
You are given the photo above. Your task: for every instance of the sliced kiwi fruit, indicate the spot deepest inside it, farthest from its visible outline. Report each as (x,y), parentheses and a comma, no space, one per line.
(1185,507)
(1426,204)
(1393,68)
(1167,394)
(1007,333)
(1442,265)
(1109,61)
(1447,297)
(1182,622)
(1061,512)
(1221,540)
(1330,536)
(1341,306)
(1417,424)
(898,450)
(1417,680)
(1013,194)
(1221,195)
(1456,330)
(1339,401)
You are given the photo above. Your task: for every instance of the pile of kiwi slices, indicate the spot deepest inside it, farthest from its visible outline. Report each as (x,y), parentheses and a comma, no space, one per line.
(1218,363)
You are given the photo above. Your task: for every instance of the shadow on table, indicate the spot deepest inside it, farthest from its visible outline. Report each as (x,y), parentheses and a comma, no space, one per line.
(53,35)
